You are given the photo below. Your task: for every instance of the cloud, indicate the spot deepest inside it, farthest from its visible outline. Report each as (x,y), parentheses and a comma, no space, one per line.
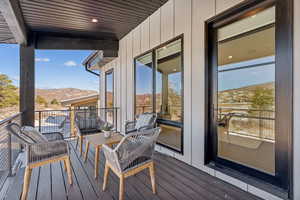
(42,60)
(70,63)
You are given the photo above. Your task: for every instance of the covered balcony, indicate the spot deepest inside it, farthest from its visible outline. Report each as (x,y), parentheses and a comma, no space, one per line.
(218,79)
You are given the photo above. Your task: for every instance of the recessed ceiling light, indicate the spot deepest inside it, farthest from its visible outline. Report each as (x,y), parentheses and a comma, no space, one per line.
(253,16)
(174,70)
(230,57)
(94,20)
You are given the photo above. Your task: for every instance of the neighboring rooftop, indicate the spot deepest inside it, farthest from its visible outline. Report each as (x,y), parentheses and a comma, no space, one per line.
(83,99)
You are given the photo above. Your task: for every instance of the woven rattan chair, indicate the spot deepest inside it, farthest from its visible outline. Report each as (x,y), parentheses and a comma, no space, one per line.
(40,149)
(143,121)
(133,154)
(86,126)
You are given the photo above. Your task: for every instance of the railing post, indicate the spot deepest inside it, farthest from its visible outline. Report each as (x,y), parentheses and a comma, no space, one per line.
(40,121)
(9,154)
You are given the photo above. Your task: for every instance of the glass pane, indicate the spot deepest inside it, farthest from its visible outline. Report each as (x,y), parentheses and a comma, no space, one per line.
(246,91)
(169,93)
(144,84)
(109,95)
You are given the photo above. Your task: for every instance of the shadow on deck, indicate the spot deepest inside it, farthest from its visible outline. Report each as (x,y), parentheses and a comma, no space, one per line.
(175,180)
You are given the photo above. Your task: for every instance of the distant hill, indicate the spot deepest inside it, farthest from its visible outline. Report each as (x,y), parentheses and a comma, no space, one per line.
(63,93)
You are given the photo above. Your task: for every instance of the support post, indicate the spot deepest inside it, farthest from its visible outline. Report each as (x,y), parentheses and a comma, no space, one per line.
(27,89)
(72,120)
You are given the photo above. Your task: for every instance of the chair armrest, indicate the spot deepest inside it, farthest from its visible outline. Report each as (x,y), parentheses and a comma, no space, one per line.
(54,136)
(145,128)
(129,126)
(46,151)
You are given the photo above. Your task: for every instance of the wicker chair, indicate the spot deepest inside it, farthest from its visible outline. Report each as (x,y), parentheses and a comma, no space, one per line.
(133,154)
(40,149)
(143,121)
(86,126)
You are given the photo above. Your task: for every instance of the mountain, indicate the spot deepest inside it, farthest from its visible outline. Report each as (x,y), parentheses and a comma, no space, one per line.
(63,93)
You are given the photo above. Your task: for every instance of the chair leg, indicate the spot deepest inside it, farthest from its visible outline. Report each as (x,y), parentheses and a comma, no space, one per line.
(96,168)
(80,144)
(65,165)
(86,150)
(69,170)
(121,188)
(77,138)
(152,176)
(105,178)
(26,183)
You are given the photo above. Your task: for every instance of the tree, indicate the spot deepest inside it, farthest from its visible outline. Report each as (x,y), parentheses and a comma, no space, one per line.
(40,100)
(54,102)
(262,99)
(8,92)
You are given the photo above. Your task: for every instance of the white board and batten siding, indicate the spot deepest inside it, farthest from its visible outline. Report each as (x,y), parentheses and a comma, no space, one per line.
(187,17)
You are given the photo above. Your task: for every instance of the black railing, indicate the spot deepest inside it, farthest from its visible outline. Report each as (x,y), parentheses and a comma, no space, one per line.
(249,122)
(9,148)
(47,121)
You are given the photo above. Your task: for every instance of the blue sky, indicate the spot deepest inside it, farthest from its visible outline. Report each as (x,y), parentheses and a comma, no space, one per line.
(53,68)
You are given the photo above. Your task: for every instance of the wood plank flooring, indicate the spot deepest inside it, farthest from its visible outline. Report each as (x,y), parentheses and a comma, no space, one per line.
(175,180)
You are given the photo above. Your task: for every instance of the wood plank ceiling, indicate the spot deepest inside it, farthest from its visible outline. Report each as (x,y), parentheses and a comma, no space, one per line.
(74,17)
(5,34)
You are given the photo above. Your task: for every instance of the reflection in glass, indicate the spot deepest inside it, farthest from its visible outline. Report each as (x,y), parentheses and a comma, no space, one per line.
(168,95)
(109,95)
(143,84)
(246,91)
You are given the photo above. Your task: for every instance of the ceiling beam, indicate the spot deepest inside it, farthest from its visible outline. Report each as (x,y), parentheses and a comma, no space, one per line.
(11,11)
(75,43)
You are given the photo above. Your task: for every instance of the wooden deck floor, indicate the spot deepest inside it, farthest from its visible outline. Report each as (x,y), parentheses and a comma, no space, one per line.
(175,180)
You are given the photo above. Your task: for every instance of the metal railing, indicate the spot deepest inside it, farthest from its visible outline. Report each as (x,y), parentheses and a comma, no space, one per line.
(249,122)
(47,121)
(9,148)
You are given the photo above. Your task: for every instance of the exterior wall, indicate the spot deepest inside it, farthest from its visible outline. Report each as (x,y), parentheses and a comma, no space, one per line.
(188,17)
(296,99)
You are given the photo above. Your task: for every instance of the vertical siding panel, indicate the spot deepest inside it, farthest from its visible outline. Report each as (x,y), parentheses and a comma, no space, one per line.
(167,21)
(123,81)
(183,12)
(145,45)
(201,10)
(129,83)
(117,90)
(136,41)
(222,5)
(296,99)
(155,29)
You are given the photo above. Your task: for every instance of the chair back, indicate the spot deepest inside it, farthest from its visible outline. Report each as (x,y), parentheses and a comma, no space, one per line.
(136,148)
(146,120)
(15,130)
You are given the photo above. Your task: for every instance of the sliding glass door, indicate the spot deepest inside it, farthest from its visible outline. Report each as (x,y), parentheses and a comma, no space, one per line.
(249,106)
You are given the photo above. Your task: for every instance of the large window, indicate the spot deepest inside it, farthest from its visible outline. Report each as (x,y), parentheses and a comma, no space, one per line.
(109,95)
(144,84)
(245,71)
(158,86)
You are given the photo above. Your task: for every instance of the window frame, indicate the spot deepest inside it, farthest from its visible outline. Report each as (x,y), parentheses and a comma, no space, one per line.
(108,72)
(284,97)
(154,66)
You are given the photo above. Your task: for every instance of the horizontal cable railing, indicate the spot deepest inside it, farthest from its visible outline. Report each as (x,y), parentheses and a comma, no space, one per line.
(48,121)
(249,122)
(9,147)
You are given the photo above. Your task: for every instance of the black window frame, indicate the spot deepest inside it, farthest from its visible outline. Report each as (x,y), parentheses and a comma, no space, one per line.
(154,66)
(109,72)
(283,85)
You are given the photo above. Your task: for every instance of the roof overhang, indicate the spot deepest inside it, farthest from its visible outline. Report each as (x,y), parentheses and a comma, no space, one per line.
(98,59)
